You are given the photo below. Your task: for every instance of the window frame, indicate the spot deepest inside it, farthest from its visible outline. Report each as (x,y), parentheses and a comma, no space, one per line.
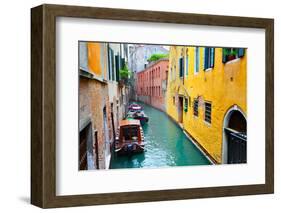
(208,116)
(209,58)
(196,110)
(238,54)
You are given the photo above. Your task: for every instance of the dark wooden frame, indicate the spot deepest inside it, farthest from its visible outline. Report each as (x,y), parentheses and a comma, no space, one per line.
(43,105)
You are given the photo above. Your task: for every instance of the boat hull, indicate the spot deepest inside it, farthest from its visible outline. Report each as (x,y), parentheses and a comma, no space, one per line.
(143,120)
(128,149)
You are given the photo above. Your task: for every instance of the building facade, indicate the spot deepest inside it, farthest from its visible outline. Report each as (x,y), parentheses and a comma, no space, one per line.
(152,84)
(101,102)
(206,95)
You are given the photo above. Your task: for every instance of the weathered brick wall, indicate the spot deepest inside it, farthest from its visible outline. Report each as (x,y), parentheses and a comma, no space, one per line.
(98,95)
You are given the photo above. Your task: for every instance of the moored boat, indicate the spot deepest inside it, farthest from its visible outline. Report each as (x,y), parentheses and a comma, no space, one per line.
(136,112)
(129,138)
(134,107)
(138,115)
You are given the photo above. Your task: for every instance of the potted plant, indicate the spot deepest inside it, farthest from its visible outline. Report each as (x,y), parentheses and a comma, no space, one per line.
(125,74)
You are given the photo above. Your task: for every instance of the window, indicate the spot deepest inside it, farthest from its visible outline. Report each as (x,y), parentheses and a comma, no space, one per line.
(208,112)
(195,107)
(122,63)
(110,65)
(185,105)
(83,56)
(209,57)
(174,100)
(181,67)
(229,54)
(157,91)
(196,58)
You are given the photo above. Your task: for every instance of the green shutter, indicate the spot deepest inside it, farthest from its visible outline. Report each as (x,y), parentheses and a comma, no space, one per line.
(206,58)
(117,64)
(112,64)
(122,63)
(180,67)
(224,55)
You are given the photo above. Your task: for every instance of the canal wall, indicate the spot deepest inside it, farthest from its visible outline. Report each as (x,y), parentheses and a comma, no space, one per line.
(156,102)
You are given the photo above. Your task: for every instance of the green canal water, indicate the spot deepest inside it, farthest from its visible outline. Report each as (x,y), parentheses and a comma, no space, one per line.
(166,145)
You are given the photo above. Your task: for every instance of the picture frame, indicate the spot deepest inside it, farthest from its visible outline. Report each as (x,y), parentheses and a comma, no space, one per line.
(43,105)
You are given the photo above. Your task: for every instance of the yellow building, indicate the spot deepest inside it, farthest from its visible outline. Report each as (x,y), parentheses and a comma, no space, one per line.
(206,95)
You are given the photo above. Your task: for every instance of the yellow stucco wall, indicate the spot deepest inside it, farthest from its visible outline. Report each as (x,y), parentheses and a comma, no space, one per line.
(224,86)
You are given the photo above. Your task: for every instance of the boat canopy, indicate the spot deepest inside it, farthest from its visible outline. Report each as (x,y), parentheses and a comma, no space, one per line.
(129,122)
(136,107)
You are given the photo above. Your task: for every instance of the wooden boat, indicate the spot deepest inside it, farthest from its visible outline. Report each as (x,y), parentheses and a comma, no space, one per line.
(134,107)
(138,115)
(129,138)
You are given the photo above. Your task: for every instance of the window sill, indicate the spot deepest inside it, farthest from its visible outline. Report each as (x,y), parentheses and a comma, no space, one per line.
(209,69)
(86,74)
(207,123)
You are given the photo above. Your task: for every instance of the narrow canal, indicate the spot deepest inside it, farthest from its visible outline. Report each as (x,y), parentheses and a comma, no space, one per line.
(166,145)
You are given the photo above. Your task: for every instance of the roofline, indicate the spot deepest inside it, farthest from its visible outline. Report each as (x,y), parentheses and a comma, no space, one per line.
(156,62)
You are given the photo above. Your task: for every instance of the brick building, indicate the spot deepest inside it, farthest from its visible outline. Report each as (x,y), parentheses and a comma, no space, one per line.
(152,84)
(102,101)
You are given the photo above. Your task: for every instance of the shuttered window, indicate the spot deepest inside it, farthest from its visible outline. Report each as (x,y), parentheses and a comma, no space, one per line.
(229,54)
(122,63)
(209,57)
(111,66)
(186,104)
(208,112)
(117,66)
(195,107)
(181,67)
(110,63)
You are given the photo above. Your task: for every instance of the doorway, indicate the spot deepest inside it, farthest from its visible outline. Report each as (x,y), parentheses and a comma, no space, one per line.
(180,110)
(85,148)
(235,137)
